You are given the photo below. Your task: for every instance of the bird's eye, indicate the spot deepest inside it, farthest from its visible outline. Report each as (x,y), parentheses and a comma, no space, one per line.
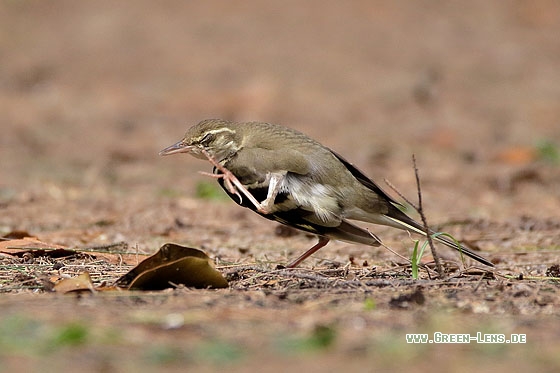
(207,139)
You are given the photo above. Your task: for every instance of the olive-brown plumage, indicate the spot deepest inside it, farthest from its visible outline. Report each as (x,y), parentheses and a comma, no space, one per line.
(297,181)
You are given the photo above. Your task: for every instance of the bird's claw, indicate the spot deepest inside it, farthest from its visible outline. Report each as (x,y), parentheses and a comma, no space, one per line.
(232,189)
(228,182)
(232,184)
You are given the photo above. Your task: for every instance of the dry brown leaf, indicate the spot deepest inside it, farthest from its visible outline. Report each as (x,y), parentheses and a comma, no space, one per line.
(173,265)
(75,284)
(190,271)
(32,245)
(17,234)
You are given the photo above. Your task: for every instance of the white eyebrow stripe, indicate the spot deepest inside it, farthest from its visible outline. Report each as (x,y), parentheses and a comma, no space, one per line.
(214,132)
(225,129)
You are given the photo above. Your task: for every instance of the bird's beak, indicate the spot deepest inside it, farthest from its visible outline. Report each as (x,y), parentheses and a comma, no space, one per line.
(179,147)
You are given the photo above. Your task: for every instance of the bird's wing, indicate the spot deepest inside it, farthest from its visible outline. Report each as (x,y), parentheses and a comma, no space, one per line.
(366,181)
(307,221)
(264,161)
(398,219)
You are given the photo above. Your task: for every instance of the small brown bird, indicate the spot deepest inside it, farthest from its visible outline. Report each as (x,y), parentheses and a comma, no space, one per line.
(288,177)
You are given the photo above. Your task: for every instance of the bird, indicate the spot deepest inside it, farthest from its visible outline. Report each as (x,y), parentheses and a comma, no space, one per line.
(288,177)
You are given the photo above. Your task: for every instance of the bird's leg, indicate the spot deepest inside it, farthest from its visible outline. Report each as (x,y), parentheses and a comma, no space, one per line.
(231,182)
(322,242)
(263,207)
(273,189)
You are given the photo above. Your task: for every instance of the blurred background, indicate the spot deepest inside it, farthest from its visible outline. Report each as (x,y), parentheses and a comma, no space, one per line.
(90,91)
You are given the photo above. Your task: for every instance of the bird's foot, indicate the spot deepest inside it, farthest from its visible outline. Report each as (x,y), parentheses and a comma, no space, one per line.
(233,185)
(228,182)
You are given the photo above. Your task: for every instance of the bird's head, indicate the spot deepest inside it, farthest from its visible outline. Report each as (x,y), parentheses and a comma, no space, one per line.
(217,137)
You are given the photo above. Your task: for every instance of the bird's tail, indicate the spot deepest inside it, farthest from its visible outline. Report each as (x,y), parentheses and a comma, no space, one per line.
(403,221)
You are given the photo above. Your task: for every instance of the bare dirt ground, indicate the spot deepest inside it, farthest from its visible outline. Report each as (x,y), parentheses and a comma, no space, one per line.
(90,91)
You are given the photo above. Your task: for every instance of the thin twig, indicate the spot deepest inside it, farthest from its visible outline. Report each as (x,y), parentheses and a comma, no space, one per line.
(394,188)
(420,210)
